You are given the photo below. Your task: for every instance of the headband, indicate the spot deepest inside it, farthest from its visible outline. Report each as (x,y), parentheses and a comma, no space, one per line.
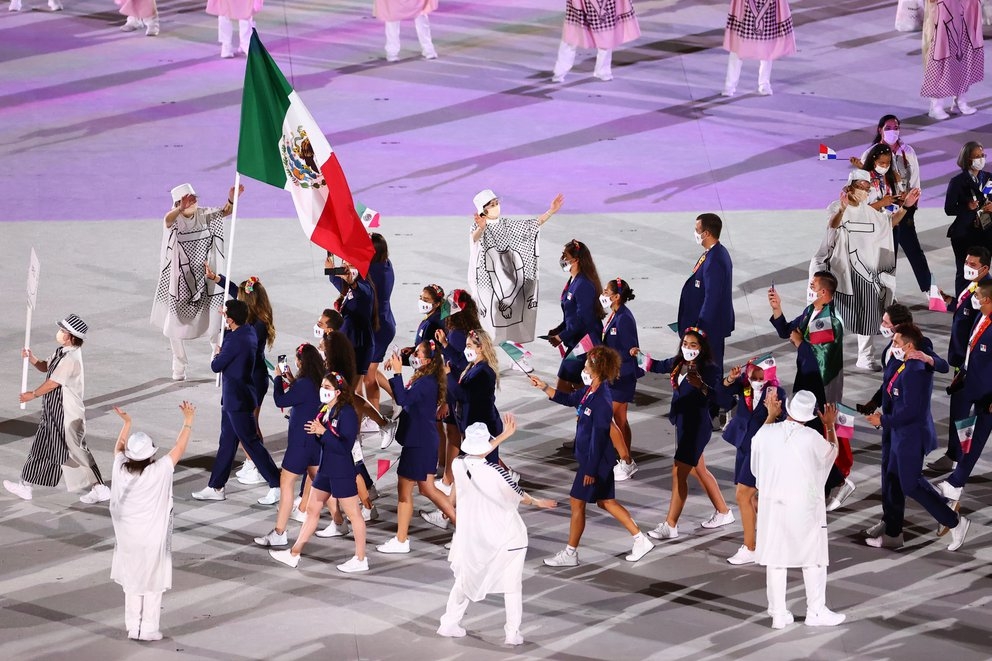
(337,378)
(437,290)
(696,330)
(249,284)
(299,349)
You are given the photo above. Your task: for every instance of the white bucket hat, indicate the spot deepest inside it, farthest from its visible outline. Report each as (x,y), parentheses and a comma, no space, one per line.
(482,199)
(802,406)
(139,446)
(477,440)
(181,191)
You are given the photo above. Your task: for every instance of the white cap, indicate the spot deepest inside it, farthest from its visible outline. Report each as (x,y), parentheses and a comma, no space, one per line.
(802,406)
(477,440)
(482,199)
(858,175)
(139,446)
(181,191)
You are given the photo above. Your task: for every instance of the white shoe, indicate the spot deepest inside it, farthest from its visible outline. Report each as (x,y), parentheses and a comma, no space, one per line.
(728,91)
(176,376)
(606,77)
(765,89)
(334,530)
(640,549)
(782,621)
(937,112)
(883,541)
(369,426)
(297,515)
(744,556)
(272,538)
(443,488)
(664,531)
(964,107)
(270,498)
(557,79)
(624,471)
(19,489)
(388,433)
(252,477)
(453,631)
(131,25)
(949,491)
(843,493)
(370,514)
(286,557)
(718,519)
(226,51)
(54,5)
(394,546)
(98,494)
(563,559)
(151,30)
(354,565)
(246,468)
(875,530)
(15,5)
(151,635)
(513,639)
(392,58)
(959,533)
(435,518)
(206,493)
(824,618)
(429,55)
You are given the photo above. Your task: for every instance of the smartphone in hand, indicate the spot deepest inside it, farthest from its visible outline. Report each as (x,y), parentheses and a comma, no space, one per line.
(281,364)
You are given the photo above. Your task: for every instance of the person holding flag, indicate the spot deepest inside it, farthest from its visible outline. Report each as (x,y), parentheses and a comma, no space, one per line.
(582,313)
(620,334)
(907,420)
(969,200)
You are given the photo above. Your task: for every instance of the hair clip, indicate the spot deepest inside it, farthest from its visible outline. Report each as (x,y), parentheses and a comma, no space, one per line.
(299,349)
(437,290)
(696,330)
(250,284)
(338,379)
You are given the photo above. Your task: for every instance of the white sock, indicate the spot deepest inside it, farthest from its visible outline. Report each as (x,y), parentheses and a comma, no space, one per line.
(570,550)
(638,537)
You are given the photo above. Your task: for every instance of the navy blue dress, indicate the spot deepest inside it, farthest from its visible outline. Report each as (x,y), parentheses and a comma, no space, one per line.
(417,429)
(593,448)
(620,334)
(747,420)
(690,412)
(302,396)
(579,305)
(474,400)
(382,278)
(336,474)
(356,308)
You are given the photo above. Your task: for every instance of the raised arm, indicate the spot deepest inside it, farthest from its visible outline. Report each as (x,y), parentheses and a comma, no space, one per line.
(553,209)
(125,430)
(189,412)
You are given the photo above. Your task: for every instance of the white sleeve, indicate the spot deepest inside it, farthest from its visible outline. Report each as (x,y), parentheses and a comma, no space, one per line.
(67,368)
(914,166)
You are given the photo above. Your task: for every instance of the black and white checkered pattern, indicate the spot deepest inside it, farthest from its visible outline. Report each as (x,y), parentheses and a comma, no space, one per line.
(597,15)
(759,22)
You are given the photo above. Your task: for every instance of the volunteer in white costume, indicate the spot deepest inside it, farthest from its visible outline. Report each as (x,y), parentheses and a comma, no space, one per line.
(790,463)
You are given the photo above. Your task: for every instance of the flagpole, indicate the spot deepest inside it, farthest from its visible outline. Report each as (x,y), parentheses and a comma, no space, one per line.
(229,249)
(27,345)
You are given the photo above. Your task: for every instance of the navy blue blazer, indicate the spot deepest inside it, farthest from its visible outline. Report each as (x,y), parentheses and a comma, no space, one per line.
(690,410)
(382,278)
(620,334)
(906,405)
(978,380)
(593,447)
(356,308)
(707,296)
(302,397)
(261,374)
(336,443)
(746,422)
(939,364)
(454,355)
(961,190)
(962,323)
(417,425)
(428,327)
(237,362)
(474,398)
(579,305)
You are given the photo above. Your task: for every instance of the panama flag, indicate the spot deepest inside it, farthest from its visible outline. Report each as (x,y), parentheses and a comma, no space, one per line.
(821,330)
(937,303)
(281,145)
(518,354)
(966,429)
(767,364)
(845,421)
(826,153)
(580,349)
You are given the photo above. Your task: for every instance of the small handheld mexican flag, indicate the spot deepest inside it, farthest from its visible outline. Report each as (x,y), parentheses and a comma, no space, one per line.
(937,303)
(767,364)
(845,421)
(518,354)
(644,361)
(582,348)
(966,429)
(449,305)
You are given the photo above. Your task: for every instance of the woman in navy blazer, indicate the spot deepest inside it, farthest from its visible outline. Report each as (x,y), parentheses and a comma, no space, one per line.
(473,393)
(581,312)
(357,306)
(417,433)
(336,426)
(964,200)
(431,298)
(748,385)
(382,279)
(594,476)
(620,334)
(694,378)
(300,394)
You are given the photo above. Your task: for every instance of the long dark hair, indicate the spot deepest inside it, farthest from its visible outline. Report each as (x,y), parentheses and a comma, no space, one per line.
(468,318)
(705,354)
(882,149)
(345,395)
(580,252)
(136,466)
(381,248)
(311,364)
(434,367)
(339,355)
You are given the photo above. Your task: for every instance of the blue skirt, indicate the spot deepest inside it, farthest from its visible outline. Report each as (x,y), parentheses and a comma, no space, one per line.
(300,455)
(260,379)
(601,489)
(690,447)
(571,368)
(623,389)
(417,463)
(742,469)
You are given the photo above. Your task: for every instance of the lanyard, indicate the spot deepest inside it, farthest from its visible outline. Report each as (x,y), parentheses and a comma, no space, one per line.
(978,332)
(967,293)
(895,376)
(699,262)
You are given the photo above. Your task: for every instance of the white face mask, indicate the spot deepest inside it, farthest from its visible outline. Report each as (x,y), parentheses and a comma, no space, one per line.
(586,378)
(974,302)
(415,363)
(690,354)
(891,136)
(886,331)
(811,296)
(978,163)
(565,265)
(756,386)
(881,170)
(605,302)
(470,355)
(424,306)
(327,395)
(318,332)
(698,237)
(860,195)
(492,214)
(899,353)
(61,337)
(970,273)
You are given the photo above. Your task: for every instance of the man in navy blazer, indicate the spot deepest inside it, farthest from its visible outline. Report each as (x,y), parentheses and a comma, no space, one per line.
(707,296)
(236,361)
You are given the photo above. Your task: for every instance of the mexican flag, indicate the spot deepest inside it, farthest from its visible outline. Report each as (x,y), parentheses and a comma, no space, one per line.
(583,347)
(966,429)
(518,354)
(282,145)
(821,330)
(767,364)
(845,421)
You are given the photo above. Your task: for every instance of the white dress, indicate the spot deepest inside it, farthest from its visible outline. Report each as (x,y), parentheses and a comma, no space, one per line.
(141,510)
(790,463)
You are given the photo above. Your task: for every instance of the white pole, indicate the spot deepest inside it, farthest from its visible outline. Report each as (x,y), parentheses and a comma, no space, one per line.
(34,276)
(27,345)
(229,249)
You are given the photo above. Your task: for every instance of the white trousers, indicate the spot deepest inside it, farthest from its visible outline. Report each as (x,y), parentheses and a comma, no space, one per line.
(142,612)
(734,64)
(566,60)
(423,26)
(815,578)
(225,32)
(179,358)
(866,349)
(513,603)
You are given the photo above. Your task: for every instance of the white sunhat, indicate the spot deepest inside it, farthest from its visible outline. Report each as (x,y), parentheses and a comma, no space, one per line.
(477,440)
(139,446)
(181,191)
(802,406)
(483,198)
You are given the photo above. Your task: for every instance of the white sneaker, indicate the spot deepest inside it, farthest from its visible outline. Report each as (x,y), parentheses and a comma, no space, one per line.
(19,489)
(875,530)
(435,518)
(937,112)
(252,477)
(843,493)
(563,559)
(871,365)
(765,89)
(151,30)
(272,538)
(131,25)
(824,618)
(369,426)
(388,433)
(286,557)
(334,530)
(206,493)
(370,514)
(640,549)
(429,54)
(15,5)
(354,565)
(664,531)
(297,515)
(226,51)
(782,621)
(442,487)
(949,491)
(98,494)
(718,519)
(744,556)
(964,107)
(150,636)
(557,79)
(728,91)
(246,468)
(453,631)
(513,639)
(883,541)
(624,471)
(394,546)
(176,376)
(54,5)
(959,533)
(270,498)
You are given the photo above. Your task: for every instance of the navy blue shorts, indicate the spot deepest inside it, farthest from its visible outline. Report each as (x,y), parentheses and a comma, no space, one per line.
(417,463)
(299,456)
(601,489)
(338,486)
(383,338)
(623,389)
(742,470)
(690,449)
(571,368)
